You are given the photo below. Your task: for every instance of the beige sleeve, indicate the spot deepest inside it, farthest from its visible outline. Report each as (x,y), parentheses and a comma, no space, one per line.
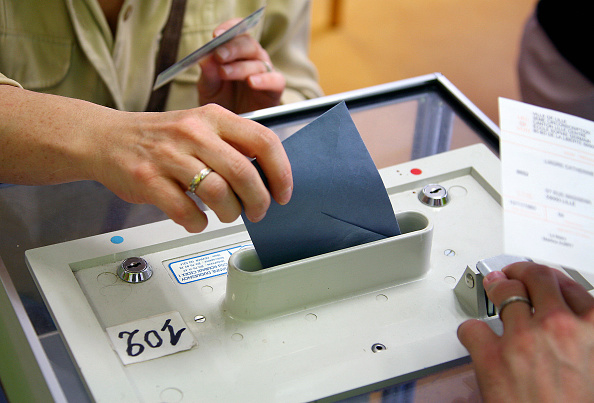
(286,37)
(6,80)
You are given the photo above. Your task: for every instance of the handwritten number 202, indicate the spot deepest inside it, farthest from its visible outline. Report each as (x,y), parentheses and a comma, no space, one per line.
(151,338)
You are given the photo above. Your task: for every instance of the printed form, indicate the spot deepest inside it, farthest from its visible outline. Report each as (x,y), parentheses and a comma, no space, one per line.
(547,160)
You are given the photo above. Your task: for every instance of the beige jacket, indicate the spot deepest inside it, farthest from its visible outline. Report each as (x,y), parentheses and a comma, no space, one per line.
(65,47)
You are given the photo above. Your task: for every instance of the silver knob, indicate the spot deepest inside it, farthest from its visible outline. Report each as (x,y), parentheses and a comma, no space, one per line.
(135,270)
(434,195)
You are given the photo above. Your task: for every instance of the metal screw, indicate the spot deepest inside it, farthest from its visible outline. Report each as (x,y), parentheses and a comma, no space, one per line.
(469,280)
(449,252)
(378,347)
(199,318)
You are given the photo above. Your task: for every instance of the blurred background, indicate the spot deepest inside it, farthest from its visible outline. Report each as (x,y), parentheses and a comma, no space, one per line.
(473,43)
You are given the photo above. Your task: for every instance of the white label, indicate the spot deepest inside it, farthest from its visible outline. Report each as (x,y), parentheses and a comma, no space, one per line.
(150,338)
(202,267)
(547,162)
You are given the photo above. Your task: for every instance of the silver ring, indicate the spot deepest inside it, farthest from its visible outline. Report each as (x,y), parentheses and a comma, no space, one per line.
(199,177)
(511,300)
(268,66)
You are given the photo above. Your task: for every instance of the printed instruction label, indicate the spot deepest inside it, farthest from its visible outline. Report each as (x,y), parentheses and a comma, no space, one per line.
(204,266)
(151,338)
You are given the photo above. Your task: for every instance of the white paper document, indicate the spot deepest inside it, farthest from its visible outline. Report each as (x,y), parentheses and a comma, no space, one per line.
(547,162)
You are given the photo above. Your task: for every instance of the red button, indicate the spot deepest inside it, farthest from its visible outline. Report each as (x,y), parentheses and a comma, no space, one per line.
(416,171)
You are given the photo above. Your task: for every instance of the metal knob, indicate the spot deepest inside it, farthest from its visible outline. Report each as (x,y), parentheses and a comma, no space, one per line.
(434,195)
(135,270)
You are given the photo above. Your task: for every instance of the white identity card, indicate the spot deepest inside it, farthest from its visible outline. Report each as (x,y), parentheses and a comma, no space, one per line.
(547,162)
(241,27)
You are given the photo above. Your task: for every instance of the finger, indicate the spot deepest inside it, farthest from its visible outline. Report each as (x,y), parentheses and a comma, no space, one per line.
(541,283)
(216,193)
(575,295)
(273,82)
(242,47)
(210,80)
(181,166)
(242,177)
(475,335)
(255,141)
(241,70)
(225,26)
(499,289)
(173,201)
(224,147)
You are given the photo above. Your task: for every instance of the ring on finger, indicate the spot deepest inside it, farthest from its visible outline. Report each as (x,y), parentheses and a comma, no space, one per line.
(511,300)
(198,178)
(268,66)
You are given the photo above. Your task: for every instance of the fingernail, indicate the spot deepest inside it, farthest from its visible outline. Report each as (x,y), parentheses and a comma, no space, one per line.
(285,196)
(228,70)
(223,53)
(255,81)
(493,276)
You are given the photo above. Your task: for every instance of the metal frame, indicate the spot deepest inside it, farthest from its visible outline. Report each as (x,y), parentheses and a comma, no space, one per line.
(362,98)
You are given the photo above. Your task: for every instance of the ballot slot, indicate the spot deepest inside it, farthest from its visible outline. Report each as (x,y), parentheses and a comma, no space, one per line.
(254,292)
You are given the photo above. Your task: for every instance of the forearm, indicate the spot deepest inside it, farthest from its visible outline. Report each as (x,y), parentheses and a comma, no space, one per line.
(47,139)
(143,157)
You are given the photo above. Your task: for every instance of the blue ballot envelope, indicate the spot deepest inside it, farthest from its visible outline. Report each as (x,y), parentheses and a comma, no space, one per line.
(339,199)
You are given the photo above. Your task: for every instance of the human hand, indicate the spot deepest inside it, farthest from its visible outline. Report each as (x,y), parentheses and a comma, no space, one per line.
(546,354)
(239,75)
(155,163)
(144,157)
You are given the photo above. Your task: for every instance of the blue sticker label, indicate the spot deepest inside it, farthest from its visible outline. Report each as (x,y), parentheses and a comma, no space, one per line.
(117,239)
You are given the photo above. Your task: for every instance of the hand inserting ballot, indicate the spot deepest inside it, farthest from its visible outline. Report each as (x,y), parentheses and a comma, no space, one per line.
(145,157)
(546,352)
(239,75)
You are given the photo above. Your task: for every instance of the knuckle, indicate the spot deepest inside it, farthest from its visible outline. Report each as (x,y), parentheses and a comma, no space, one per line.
(266,141)
(145,174)
(213,109)
(560,322)
(242,170)
(504,289)
(215,191)
(536,273)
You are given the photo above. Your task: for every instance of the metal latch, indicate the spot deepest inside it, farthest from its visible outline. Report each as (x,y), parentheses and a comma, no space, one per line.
(470,291)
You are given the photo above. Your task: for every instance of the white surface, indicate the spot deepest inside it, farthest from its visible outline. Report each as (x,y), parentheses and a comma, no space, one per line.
(254,293)
(309,354)
(548,185)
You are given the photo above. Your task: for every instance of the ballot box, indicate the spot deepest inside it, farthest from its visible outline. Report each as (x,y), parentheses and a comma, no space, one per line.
(112,302)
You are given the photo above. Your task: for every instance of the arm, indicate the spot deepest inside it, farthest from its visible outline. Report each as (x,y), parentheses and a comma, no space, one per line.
(143,157)
(543,355)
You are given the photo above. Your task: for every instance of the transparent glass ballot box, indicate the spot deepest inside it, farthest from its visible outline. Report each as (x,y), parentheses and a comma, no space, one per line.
(399,122)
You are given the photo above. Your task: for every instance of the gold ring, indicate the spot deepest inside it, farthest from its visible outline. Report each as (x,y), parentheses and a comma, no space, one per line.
(199,177)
